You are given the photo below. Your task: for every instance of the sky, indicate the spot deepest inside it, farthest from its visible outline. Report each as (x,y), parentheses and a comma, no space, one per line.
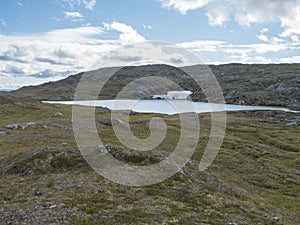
(47,40)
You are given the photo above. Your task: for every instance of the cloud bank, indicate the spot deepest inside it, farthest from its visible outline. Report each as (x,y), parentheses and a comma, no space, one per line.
(37,58)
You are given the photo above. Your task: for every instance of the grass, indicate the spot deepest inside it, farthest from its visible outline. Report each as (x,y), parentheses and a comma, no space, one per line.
(253,178)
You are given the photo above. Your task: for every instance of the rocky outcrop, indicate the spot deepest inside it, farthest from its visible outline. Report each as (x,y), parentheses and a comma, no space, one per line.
(19,126)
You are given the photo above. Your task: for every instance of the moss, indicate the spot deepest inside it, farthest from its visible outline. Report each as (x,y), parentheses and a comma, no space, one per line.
(51,184)
(67,162)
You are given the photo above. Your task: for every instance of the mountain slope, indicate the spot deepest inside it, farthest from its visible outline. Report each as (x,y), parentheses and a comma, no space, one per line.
(254,179)
(271,85)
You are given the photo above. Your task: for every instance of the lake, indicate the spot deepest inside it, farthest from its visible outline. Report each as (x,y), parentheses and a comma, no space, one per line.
(169,107)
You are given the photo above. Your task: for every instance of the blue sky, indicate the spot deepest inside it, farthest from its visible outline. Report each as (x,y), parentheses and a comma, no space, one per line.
(45,40)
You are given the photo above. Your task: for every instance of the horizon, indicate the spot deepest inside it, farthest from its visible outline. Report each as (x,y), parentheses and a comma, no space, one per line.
(225,64)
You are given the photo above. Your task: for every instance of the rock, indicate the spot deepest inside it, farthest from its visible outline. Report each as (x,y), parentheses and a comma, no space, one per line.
(272,87)
(47,205)
(19,126)
(232,224)
(58,114)
(290,181)
(2,133)
(173,220)
(286,90)
(102,149)
(292,123)
(276,218)
(52,206)
(12,126)
(38,192)
(110,122)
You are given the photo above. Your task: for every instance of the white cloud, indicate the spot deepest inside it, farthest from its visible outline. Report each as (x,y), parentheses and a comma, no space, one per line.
(246,13)
(37,58)
(217,52)
(88,4)
(269,11)
(75,16)
(263,37)
(57,53)
(127,33)
(292,59)
(3,23)
(217,13)
(184,5)
(147,27)
(20,4)
(264,30)
(207,46)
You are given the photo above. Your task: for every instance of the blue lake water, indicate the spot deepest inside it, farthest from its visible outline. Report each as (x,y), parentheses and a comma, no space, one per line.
(169,107)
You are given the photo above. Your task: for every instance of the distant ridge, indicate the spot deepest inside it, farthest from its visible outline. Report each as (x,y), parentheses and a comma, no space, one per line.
(251,84)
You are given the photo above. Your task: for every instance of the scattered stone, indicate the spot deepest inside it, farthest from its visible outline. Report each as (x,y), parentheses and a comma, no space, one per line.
(102,149)
(2,132)
(38,192)
(290,181)
(232,224)
(19,126)
(129,112)
(52,206)
(58,114)
(292,123)
(12,126)
(110,122)
(276,218)
(104,216)
(173,220)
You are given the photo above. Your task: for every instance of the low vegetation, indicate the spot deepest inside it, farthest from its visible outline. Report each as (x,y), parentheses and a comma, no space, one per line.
(254,179)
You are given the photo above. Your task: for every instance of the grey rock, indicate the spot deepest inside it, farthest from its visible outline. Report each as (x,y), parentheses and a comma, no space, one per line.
(52,206)
(12,126)
(272,87)
(19,126)
(58,114)
(102,149)
(292,123)
(290,181)
(276,218)
(38,192)
(110,122)
(286,90)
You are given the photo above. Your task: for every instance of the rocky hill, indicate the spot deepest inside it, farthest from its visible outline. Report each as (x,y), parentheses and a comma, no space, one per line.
(270,84)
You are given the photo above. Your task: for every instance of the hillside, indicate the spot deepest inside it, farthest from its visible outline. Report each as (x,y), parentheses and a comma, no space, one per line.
(254,179)
(271,85)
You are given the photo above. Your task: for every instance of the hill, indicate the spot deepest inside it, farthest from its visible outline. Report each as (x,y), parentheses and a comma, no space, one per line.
(269,84)
(254,179)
